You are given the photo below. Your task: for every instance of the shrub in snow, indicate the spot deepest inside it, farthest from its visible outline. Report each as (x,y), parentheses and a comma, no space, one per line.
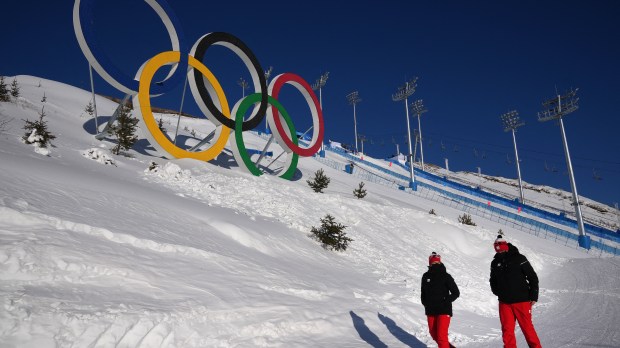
(37,132)
(319,182)
(44,99)
(432,212)
(465,219)
(99,156)
(360,192)
(90,109)
(124,130)
(331,234)
(4,92)
(15,88)
(160,124)
(153,167)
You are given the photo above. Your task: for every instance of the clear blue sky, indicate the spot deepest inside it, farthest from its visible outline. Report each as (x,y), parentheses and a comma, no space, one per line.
(474,62)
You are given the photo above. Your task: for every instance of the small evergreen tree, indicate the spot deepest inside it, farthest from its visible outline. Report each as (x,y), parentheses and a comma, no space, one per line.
(160,124)
(15,88)
(44,99)
(37,132)
(153,166)
(432,212)
(360,192)
(500,232)
(90,109)
(4,92)
(124,130)
(319,182)
(465,219)
(331,234)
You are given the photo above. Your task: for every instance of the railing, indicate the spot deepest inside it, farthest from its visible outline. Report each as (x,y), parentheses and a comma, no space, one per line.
(473,206)
(513,204)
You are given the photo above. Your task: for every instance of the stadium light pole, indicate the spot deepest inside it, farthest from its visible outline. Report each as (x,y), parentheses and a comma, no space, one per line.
(403,93)
(319,84)
(511,123)
(243,84)
(353,99)
(418,107)
(267,76)
(555,109)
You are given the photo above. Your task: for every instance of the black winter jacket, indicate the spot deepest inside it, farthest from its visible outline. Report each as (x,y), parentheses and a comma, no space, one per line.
(438,290)
(512,277)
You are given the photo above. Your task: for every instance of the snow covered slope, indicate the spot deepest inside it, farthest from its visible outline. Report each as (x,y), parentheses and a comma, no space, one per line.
(198,254)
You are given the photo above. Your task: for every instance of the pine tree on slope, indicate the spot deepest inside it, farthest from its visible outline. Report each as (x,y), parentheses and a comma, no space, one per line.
(4,92)
(125,131)
(15,88)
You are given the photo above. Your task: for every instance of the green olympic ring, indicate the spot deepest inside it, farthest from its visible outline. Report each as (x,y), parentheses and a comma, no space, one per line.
(239,150)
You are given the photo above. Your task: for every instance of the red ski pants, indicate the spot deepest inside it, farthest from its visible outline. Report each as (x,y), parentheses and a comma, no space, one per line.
(438,328)
(522,312)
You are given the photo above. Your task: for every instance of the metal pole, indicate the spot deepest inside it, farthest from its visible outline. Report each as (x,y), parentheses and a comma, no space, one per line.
(421,147)
(355,127)
(264,150)
(363,144)
(415,147)
(267,76)
(92,88)
(321,106)
(409,137)
(514,140)
(180,111)
(572,181)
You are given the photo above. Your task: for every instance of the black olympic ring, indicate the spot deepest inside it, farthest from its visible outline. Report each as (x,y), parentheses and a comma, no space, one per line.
(235,44)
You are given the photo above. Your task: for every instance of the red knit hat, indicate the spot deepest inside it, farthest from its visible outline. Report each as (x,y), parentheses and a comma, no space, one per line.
(434,258)
(500,244)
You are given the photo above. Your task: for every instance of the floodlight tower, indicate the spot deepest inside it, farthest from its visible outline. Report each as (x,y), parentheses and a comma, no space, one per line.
(403,93)
(353,99)
(243,84)
(418,108)
(362,140)
(319,84)
(511,123)
(555,109)
(267,76)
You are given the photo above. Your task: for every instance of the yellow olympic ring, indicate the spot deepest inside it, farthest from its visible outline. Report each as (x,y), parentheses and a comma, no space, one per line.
(142,103)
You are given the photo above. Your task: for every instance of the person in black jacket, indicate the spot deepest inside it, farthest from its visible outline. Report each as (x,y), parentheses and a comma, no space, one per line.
(515,283)
(438,292)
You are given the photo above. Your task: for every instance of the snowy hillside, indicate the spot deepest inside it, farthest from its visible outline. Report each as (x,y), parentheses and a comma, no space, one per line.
(196,254)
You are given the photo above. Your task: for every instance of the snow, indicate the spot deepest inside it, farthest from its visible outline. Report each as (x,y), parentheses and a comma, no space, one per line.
(99,250)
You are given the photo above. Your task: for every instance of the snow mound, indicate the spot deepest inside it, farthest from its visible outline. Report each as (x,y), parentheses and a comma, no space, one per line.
(170,171)
(99,156)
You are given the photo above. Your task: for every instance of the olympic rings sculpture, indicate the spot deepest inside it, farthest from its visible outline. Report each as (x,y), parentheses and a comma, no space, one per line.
(206,90)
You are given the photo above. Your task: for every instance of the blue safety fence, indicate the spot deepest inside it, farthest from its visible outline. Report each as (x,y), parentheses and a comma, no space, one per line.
(482,209)
(489,197)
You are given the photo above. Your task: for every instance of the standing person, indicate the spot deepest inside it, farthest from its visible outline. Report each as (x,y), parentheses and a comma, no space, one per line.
(515,284)
(438,292)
